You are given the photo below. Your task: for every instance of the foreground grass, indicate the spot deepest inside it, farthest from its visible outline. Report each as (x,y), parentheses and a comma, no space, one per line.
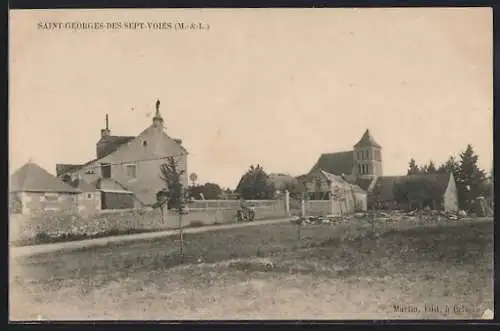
(224,275)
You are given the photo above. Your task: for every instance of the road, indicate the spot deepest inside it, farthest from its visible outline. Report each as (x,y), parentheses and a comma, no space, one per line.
(15,252)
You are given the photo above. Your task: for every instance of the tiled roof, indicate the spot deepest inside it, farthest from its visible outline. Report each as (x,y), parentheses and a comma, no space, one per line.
(332,177)
(83,186)
(384,186)
(109,144)
(336,163)
(367,140)
(342,181)
(32,178)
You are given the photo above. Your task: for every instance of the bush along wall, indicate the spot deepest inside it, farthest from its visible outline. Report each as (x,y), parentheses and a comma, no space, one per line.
(24,230)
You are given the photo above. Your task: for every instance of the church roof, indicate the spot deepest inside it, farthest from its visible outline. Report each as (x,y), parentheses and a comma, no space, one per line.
(335,163)
(367,140)
(32,178)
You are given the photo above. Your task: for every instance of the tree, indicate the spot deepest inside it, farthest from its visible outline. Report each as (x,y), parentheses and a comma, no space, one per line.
(470,178)
(431,168)
(295,188)
(193,177)
(423,190)
(210,191)
(171,175)
(451,165)
(413,168)
(174,192)
(254,184)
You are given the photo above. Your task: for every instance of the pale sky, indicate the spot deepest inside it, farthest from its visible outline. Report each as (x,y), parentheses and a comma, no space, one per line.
(271,86)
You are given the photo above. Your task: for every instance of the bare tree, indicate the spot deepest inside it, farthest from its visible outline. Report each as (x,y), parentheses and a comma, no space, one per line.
(174,193)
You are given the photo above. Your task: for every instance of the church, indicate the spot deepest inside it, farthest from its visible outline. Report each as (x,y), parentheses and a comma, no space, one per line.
(360,166)
(361,169)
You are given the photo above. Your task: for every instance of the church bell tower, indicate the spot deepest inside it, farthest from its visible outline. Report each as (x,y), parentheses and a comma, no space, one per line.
(367,157)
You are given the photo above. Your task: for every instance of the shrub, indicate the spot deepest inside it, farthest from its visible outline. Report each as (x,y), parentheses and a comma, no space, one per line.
(196,224)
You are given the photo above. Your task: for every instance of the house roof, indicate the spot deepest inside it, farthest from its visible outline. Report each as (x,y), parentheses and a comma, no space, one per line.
(342,181)
(33,178)
(109,144)
(335,163)
(83,186)
(367,140)
(384,186)
(332,177)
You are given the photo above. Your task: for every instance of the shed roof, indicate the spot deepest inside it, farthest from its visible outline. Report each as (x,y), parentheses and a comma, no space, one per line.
(33,178)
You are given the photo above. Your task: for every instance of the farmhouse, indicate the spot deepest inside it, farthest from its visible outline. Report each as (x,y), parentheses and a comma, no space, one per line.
(34,191)
(126,170)
(321,185)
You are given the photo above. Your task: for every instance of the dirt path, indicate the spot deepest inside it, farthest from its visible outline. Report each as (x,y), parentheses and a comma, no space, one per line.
(72,245)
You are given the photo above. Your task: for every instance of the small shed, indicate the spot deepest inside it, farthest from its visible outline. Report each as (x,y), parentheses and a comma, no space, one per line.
(89,200)
(33,190)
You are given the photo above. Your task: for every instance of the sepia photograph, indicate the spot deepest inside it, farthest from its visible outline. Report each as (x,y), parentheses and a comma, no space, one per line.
(251,164)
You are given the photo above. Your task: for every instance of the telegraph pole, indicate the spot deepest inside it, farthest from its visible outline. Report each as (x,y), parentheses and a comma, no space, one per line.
(181,211)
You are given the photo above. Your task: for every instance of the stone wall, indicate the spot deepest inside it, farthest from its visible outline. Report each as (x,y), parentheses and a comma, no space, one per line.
(23,227)
(89,202)
(38,203)
(324,207)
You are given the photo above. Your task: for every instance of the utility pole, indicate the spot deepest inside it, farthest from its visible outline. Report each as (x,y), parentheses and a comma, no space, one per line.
(181,211)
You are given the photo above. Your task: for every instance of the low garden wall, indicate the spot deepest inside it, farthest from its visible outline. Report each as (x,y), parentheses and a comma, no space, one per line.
(23,228)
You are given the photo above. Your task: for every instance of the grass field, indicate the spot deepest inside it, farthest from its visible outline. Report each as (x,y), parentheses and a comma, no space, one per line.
(264,272)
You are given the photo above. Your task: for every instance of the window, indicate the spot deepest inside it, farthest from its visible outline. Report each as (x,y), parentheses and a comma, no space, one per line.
(131,170)
(50,197)
(89,196)
(145,143)
(106,170)
(359,168)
